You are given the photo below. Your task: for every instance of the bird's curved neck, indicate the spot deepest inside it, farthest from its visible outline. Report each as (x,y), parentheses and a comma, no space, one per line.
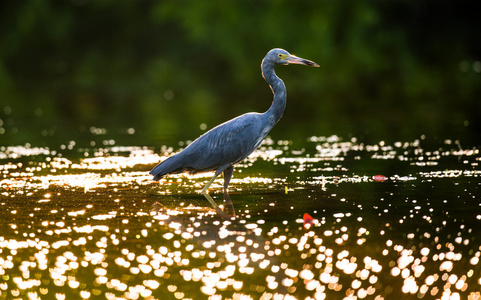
(274,113)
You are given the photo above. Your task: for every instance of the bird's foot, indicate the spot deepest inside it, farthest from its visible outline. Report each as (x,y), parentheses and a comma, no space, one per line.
(218,210)
(228,205)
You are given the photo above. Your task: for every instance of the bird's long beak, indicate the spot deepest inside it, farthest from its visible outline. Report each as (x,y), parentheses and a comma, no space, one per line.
(301,61)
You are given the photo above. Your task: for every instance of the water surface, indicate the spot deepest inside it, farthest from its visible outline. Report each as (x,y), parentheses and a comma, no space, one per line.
(333,219)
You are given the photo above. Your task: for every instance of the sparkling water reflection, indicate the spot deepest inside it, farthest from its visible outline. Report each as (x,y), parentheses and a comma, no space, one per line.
(334,220)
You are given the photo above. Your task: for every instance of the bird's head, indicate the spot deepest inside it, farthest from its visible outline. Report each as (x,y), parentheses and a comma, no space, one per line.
(279,56)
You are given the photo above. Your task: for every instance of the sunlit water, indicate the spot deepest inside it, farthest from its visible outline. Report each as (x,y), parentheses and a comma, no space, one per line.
(332,220)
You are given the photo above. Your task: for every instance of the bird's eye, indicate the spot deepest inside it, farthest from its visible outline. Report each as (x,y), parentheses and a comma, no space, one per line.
(281,56)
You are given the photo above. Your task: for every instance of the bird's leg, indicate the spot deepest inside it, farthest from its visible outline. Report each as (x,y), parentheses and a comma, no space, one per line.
(227,176)
(209,198)
(228,205)
(204,190)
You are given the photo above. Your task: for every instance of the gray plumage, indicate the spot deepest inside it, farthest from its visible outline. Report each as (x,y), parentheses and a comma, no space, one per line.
(223,146)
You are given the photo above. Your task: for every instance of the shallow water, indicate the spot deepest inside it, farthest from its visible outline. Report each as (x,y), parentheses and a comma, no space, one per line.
(331,220)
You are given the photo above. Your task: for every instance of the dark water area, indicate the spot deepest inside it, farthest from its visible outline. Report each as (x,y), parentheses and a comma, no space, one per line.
(333,218)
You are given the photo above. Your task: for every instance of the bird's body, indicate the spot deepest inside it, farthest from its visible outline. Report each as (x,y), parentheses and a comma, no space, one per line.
(227,144)
(218,148)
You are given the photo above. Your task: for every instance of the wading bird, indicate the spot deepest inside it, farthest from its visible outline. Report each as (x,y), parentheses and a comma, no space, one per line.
(229,143)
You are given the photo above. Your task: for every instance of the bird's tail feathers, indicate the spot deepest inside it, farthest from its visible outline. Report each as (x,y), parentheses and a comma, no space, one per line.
(170,165)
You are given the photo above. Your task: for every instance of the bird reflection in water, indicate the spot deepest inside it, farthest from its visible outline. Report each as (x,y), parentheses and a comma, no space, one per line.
(229,143)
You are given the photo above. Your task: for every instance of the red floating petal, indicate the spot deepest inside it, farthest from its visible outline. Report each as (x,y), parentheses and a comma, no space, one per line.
(308,219)
(379,178)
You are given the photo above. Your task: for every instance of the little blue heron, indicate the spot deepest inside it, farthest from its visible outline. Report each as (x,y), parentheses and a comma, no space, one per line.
(229,143)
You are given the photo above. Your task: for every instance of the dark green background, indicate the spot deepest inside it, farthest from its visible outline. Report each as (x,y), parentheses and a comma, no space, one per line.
(389,70)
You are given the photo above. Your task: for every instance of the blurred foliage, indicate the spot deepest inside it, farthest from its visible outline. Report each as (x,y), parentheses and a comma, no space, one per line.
(389,69)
